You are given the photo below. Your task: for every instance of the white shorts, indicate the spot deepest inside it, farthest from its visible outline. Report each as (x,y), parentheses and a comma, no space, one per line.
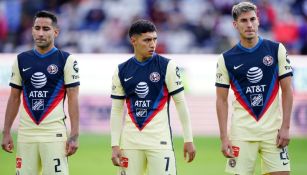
(47,158)
(273,159)
(151,162)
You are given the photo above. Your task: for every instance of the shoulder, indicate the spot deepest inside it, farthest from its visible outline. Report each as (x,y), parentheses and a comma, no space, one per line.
(161,58)
(271,44)
(25,53)
(64,54)
(124,64)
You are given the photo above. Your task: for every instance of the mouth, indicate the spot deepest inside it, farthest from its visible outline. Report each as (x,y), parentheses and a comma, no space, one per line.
(40,40)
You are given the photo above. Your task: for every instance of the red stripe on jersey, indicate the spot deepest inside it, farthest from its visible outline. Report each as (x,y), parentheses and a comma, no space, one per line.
(271,99)
(129,106)
(27,108)
(159,108)
(54,104)
(241,101)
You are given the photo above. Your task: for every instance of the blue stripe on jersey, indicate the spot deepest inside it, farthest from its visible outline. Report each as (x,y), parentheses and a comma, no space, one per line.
(27,105)
(158,101)
(239,93)
(271,89)
(54,94)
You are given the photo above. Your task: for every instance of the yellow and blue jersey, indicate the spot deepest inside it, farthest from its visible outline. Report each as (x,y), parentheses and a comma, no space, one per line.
(147,88)
(43,79)
(254,75)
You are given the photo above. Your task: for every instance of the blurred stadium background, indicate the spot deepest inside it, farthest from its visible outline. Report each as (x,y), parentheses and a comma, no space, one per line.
(192,32)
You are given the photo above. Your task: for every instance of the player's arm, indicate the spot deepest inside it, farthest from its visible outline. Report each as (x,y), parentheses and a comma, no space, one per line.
(222,115)
(175,87)
(222,90)
(12,108)
(116,118)
(10,115)
(183,113)
(73,110)
(285,76)
(116,122)
(72,82)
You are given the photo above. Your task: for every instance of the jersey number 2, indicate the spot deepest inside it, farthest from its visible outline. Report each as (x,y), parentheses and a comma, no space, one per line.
(56,167)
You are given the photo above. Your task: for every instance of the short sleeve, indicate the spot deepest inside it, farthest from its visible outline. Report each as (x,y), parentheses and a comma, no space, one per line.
(222,76)
(284,66)
(173,78)
(16,80)
(117,88)
(71,72)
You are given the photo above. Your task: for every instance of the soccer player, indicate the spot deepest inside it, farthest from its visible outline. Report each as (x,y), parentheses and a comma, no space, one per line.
(146,82)
(255,69)
(42,77)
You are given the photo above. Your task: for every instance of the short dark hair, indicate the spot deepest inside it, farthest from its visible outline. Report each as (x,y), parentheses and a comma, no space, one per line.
(47,14)
(242,7)
(141,26)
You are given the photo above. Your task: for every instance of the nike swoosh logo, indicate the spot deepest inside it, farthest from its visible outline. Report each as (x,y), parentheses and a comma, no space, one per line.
(285,163)
(25,69)
(237,67)
(127,79)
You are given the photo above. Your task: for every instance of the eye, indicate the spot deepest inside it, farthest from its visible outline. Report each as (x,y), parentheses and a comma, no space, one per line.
(46,28)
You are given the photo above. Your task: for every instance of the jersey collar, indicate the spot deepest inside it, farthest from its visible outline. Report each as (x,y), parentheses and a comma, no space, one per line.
(253,48)
(46,54)
(145,62)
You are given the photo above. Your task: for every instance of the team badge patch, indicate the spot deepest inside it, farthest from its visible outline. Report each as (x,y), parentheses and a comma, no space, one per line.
(18,162)
(154,77)
(268,60)
(232,163)
(52,69)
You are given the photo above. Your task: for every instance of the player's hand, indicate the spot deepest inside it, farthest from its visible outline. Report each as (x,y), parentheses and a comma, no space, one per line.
(72,145)
(227,148)
(189,149)
(283,138)
(7,143)
(116,155)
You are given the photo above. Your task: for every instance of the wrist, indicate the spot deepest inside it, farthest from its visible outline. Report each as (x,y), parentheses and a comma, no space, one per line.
(6,132)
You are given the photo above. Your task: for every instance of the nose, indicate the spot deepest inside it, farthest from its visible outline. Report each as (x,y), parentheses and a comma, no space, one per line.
(249,23)
(40,32)
(152,43)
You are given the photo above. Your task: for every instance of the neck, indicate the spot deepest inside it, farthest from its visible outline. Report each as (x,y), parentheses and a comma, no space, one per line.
(249,42)
(140,58)
(43,50)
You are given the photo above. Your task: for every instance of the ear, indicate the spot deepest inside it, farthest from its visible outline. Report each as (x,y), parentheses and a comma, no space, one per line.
(235,25)
(56,32)
(133,40)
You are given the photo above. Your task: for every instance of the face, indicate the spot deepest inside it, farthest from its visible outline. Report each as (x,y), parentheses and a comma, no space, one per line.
(44,33)
(144,44)
(247,25)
